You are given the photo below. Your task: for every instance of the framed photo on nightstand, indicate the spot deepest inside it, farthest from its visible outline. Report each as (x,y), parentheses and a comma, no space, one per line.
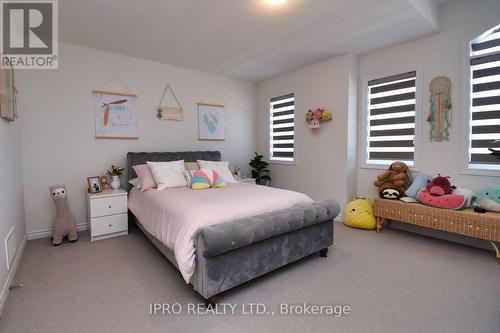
(103,181)
(94,184)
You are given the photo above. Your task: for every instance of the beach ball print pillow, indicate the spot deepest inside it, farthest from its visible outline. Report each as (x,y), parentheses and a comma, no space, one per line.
(206,178)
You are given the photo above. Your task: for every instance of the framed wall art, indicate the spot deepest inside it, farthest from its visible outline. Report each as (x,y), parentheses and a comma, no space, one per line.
(210,122)
(115,115)
(7,93)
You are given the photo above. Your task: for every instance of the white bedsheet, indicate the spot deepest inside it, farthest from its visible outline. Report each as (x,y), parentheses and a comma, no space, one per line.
(174,215)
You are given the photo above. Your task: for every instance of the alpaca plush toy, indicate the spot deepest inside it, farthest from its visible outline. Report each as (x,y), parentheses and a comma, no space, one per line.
(64,222)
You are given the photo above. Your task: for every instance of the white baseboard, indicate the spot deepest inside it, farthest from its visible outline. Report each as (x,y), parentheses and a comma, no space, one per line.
(12,273)
(44,233)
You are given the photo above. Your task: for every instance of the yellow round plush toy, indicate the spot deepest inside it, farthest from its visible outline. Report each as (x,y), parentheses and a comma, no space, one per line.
(359,214)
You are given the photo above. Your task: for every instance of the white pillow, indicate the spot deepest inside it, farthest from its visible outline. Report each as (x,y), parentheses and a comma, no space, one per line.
(222,169)
(188,174)
(168,174)
(135,183)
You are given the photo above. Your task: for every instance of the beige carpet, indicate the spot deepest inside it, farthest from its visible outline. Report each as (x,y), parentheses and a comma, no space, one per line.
(394,282)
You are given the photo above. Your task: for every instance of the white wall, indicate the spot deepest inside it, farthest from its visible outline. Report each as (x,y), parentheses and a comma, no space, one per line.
(325,161)
(11,195)
(58,122)
(439,54)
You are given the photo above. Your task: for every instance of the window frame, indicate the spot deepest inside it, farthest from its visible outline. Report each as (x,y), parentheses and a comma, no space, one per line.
(364,131)
(465,108)
(270,124)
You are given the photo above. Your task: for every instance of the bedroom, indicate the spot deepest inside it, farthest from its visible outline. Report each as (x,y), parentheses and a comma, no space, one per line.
(241,58)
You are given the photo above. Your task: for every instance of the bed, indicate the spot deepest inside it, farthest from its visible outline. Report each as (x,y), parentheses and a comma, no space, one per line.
(221,238)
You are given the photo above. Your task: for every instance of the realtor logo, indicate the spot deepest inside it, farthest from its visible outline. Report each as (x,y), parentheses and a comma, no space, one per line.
(29,34)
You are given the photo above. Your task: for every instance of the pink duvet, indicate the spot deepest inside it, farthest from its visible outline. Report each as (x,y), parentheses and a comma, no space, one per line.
(174,215)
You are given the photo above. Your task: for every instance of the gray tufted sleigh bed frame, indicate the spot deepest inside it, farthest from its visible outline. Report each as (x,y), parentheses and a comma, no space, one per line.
(232,253)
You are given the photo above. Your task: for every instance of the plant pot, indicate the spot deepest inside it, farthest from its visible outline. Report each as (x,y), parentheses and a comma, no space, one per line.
(115,182)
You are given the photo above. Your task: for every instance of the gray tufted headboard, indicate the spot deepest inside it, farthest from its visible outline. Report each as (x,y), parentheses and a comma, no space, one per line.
(187,156)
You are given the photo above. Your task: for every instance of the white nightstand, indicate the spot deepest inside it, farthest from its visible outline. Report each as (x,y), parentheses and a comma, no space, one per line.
(108,214)
(247,180)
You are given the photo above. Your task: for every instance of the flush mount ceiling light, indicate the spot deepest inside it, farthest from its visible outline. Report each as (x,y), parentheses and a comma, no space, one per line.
(276,2)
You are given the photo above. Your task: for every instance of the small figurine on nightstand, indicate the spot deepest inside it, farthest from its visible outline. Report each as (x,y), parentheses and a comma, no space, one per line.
(64,222)
(235,171)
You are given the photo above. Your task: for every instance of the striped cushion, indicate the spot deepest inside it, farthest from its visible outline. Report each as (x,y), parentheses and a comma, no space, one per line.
(206,178)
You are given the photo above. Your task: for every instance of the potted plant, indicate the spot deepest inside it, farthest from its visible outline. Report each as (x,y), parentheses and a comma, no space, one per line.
(260,171)
(494,152)
(115,173)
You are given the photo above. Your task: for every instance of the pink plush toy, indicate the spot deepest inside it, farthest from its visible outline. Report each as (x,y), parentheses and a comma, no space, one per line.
(439,186)
(64,222)
(314,118)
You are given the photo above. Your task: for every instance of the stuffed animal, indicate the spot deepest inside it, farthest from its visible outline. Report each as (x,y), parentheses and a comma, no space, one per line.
(441,194)
(439,186)
(359,214)
(393,182)
(64,222)
(314,118)
(489,199)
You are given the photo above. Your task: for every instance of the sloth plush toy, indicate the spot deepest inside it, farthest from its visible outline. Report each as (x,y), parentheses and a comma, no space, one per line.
(393,183)
(64,222)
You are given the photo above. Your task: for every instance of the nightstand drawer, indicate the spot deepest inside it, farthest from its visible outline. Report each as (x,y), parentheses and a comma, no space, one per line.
(108,206)
(108,224)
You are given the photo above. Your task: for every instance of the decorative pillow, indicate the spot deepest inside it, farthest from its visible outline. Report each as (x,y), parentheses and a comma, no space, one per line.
(192,166)
(222,169)
(168,174)
(418,183)
(145,180)
(218,181)
(189,176)
(135,183)
(206,178)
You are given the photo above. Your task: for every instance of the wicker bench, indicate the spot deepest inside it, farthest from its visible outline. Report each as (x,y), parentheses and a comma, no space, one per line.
(463,222)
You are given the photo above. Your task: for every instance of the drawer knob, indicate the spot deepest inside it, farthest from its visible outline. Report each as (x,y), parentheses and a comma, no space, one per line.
(110,225)
(109,206)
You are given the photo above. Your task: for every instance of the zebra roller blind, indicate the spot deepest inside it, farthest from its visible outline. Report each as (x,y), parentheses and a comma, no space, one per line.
(485,97)
(282,143)
(391,119)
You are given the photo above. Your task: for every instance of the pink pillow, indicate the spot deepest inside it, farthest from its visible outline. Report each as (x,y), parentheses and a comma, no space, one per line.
(145,176)
(192,166)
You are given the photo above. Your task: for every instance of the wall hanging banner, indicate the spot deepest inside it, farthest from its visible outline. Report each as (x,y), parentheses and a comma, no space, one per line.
(7,93)
(210,121)
(170,112)
(440,113)
(115,115)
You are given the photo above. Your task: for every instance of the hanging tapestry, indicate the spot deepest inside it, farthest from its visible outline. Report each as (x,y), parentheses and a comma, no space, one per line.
(440,113)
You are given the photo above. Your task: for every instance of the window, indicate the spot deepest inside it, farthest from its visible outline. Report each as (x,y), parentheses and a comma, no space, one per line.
(484,102)
(282,111)
(391,112)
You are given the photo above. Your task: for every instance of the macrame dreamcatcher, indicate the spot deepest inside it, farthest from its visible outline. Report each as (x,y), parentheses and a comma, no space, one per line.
(440,114)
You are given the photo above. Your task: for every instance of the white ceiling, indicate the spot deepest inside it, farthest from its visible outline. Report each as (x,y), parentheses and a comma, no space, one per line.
(246,39)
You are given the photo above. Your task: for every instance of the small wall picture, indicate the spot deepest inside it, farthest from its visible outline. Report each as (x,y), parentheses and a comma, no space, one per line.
(210,122)
(7,93)
(103,181)
(94,184)
(115,115)
(170,112)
